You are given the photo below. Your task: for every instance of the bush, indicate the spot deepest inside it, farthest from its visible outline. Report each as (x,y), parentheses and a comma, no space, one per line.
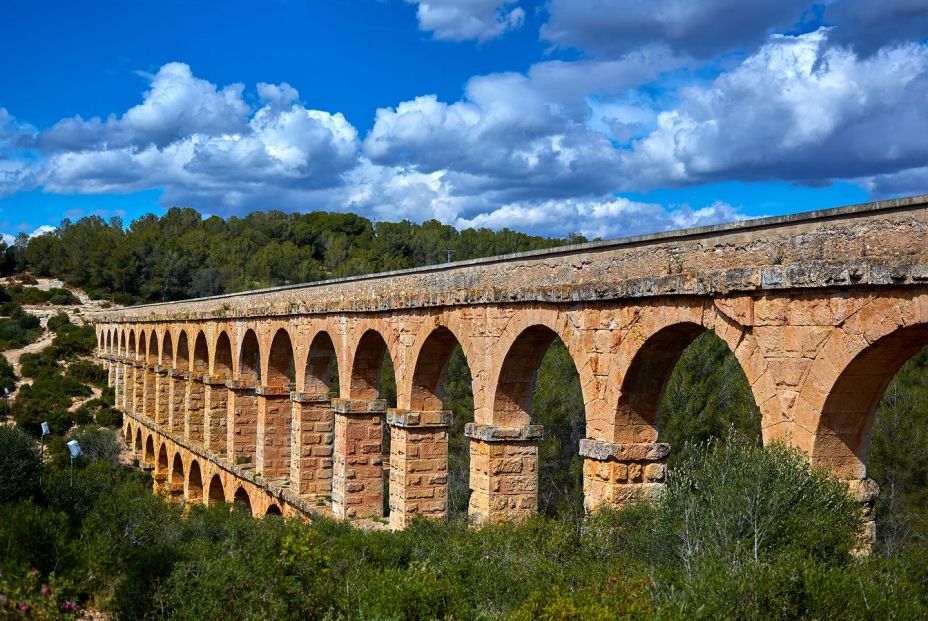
(737,503)
(87,372)
(58,320)
(7,376)
(20,464)
(73,341)
(37,365)
(97,444)
(109,417)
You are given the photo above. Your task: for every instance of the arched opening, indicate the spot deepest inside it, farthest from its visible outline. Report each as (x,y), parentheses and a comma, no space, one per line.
(280,366)
(217,494)
(167,350)
(177,473)
(249,362)
(539,385)
(153,358)
(122,343)
(273,510)
(108,342)
(874,424)
(142,347)
(138,441)
(150,451)
(321,373)
(242,502)
(128,436)
(442,381)
(161,470)
(372,374)
(195,484)
(181,362)
(200,355)
(222,365)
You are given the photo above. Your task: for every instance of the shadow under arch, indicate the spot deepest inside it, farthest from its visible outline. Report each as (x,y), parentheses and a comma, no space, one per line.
(273,510)
(249,358)
(195,483)
(167,350)
(216,494)
(842,436)
(222,358)
(241,502)
(275,412)
(150,451)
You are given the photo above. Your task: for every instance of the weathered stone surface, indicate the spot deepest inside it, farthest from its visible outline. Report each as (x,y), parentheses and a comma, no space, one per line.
(818,309)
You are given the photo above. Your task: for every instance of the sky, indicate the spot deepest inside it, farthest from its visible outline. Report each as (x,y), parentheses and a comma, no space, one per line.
(600,117)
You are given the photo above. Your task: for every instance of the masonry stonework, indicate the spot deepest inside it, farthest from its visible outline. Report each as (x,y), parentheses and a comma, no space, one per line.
(819,309)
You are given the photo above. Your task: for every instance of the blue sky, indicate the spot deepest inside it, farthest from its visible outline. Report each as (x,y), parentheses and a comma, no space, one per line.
(595,116)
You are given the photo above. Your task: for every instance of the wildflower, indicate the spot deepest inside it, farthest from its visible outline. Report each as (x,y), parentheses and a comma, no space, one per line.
(24,607)
(2,598)
(69,607)
(34,573)
(46,590)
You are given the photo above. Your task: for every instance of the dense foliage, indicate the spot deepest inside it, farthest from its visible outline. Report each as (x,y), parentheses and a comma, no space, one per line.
(182,255)
(105,541)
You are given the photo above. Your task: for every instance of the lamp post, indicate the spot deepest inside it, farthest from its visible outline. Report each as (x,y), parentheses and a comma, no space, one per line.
(45,432)
(75,449)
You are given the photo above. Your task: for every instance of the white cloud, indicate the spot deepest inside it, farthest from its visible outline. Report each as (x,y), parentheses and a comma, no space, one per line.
(462,20)
(797,110)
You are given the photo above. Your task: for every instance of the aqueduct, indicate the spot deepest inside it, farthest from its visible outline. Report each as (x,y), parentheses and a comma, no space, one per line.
(228,398)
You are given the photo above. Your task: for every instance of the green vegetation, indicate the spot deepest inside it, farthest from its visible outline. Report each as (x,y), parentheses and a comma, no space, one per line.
(33,295)
(17,327)
(706,550)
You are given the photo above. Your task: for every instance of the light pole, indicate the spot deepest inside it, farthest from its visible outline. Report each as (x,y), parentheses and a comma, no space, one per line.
(45,432)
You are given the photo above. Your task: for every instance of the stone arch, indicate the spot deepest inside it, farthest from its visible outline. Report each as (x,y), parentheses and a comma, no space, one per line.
(182,357)
(431,363)
(222,357)
(241,501)
(128,435)
(177,472)
(150,450)
(249,358)
(153,357)
(321,364)
(161,468)
(138,441)
(217,493)
(200,355)
(108,342)
(167,350)
(280,361)
(645,380)
(195,483)
(142,345)
(512,397)
(273,510)
(366,364)
(124,343)
(842,432)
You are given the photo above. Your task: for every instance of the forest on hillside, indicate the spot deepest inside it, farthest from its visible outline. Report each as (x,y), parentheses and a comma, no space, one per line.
(562,566)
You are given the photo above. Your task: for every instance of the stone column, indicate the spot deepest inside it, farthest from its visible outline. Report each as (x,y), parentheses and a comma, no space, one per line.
(162,395)
(503,472)
(312,443)
(119,385)
(148,390)
(357,473)
(418,465)
(215,432)
(110,371)
(242,426)
(620,474)
(272,450)
(177,400)
(193,410)
(138,388)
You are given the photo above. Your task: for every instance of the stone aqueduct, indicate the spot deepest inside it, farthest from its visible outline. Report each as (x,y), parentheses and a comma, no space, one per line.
(228,398)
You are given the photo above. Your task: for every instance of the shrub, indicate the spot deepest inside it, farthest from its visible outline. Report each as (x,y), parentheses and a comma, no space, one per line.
(7,376)
(109,417)
(72,341)
(58,320)
(36,365)
(20,464)
(87,372)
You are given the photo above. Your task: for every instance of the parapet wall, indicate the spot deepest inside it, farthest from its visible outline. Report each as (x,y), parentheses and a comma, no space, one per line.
(869,244)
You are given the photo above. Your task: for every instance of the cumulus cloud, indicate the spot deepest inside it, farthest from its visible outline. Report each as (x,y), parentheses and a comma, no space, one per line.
(176,105)
(462,20)
(797,110)
(701,29)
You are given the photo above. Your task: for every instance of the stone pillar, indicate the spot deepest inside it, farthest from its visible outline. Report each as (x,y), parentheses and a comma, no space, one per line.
(162,395)
(312,443)
(865,491)
(215,431)
(193,408)
(110,371)
(357,473)
(138,388)
(620,474)
(503,472)
(177,400)
(418,465)
(272,450)
(242,426)
(148,391)
(119,385)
